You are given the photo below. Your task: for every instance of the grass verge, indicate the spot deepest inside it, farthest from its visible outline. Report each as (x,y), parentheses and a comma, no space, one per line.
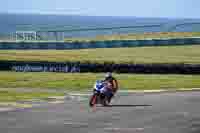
(13,96)
(85,81)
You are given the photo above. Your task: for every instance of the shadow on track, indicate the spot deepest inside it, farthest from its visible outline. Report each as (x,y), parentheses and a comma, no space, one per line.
(128,105)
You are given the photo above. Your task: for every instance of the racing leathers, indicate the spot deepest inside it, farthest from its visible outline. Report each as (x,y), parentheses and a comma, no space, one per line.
(112,86)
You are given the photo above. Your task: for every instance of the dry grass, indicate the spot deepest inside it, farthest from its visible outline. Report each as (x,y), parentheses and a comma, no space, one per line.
(164,54)
(131,36)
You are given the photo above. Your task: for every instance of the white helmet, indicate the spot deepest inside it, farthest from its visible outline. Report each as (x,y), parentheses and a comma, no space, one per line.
(109,74)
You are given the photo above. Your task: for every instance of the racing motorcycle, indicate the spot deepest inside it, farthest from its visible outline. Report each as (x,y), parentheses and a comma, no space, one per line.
(101,94)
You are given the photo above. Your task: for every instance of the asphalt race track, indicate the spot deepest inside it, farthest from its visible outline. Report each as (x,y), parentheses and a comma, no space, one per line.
(133,113)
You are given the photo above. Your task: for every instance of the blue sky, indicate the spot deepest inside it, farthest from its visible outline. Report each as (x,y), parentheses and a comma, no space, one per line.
(139,8)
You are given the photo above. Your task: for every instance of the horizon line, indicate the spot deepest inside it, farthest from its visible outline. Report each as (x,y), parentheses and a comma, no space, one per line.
(76,14)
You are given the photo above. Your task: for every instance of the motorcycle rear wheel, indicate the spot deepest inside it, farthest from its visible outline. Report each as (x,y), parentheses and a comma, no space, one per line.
(105,101)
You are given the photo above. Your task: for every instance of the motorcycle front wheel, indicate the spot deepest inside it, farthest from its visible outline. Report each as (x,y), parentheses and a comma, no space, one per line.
(93,100)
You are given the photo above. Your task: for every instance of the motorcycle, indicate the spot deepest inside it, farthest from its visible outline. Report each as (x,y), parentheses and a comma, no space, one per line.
(101,94)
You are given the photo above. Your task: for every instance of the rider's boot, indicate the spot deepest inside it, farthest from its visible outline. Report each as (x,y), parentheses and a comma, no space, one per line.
(110,98)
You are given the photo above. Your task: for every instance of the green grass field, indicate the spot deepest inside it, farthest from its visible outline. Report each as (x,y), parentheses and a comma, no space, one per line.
(85,81)
(44,85)
(162,54)
(12,96)
(81,82)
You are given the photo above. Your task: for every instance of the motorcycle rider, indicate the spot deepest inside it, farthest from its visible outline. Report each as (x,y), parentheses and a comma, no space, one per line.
(112,84)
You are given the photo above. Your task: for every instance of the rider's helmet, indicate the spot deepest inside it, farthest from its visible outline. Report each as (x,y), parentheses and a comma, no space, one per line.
(108,75)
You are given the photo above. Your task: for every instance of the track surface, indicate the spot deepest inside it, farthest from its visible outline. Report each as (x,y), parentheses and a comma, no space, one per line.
(133,113)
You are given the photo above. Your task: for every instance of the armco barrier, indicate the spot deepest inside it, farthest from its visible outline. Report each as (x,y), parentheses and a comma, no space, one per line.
(98,44)
(91,67)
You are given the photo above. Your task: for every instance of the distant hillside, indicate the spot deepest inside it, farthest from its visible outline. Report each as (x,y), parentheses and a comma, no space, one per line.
(12,22)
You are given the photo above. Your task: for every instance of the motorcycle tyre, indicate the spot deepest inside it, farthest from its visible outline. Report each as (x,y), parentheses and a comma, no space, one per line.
(93,100)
